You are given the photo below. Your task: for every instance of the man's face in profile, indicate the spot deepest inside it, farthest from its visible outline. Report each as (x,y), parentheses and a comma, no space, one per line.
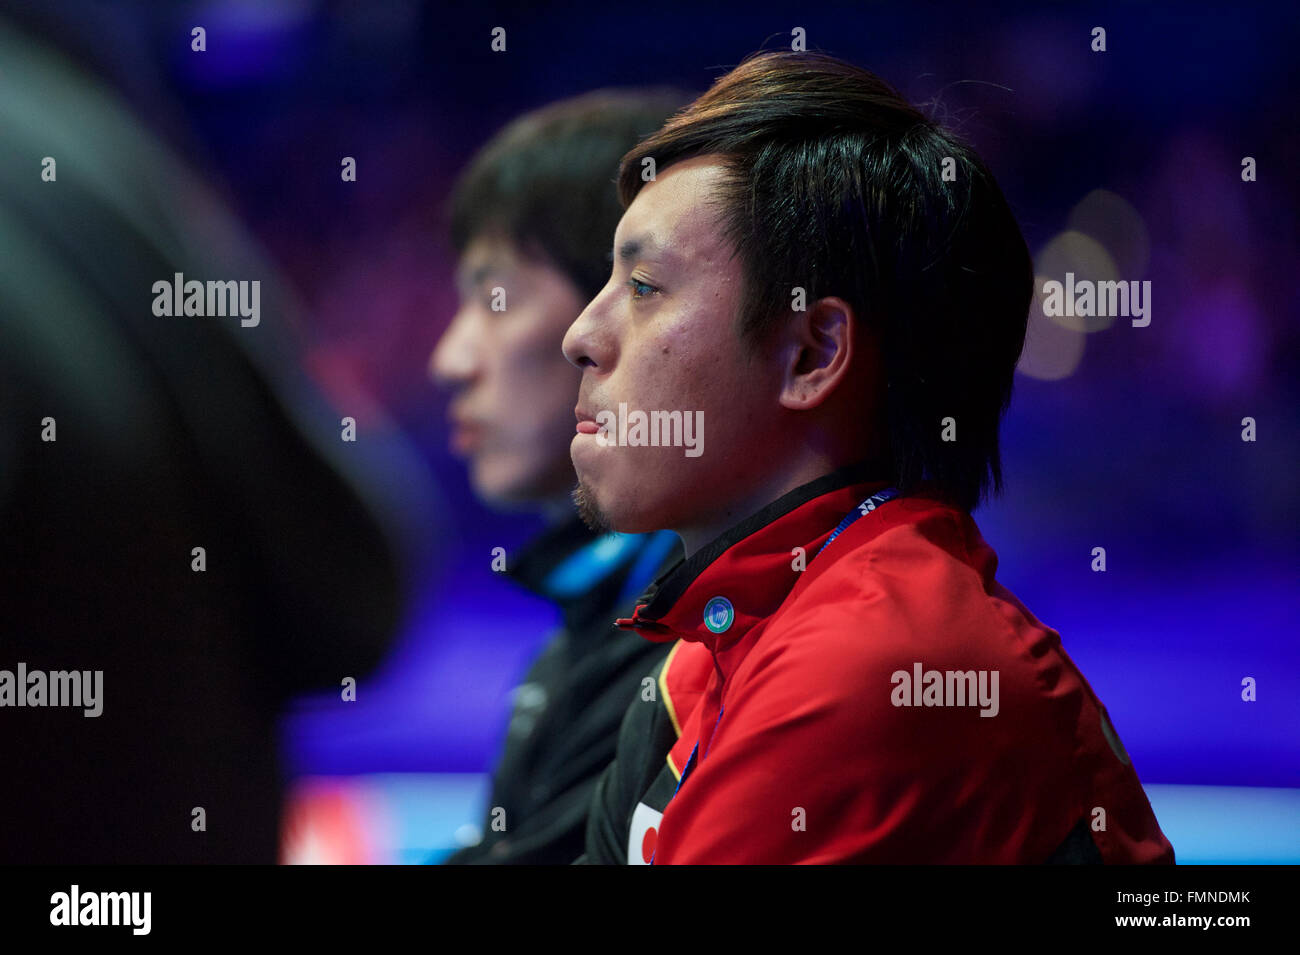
(512,408)
(661,336)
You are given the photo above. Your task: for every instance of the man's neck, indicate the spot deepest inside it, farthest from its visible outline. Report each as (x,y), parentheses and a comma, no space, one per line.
(698,535)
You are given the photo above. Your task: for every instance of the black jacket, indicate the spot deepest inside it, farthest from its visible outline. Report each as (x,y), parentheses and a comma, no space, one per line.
(566,713)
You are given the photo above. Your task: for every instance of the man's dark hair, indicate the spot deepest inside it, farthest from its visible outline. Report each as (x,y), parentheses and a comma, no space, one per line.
(836,185)
(546,181)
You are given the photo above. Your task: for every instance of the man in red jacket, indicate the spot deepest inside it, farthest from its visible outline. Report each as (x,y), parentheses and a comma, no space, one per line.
(836,286)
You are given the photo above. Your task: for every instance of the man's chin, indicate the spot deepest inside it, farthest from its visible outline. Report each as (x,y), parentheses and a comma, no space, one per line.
(584,499)
(510,492)
(620,519)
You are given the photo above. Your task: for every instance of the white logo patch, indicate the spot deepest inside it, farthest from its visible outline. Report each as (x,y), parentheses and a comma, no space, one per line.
(643,836)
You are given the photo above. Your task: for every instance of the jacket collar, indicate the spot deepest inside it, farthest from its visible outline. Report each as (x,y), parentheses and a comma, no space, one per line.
(533,565)
(721,591)
(588,575)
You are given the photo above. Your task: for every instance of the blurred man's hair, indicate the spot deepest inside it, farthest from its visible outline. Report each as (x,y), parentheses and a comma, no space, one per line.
(836,186)
(547,180)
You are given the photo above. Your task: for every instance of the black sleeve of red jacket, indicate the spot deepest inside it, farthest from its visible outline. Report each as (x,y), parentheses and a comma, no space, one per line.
(644,739)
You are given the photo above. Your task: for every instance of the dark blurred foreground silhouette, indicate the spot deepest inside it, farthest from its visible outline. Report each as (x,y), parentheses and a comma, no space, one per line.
(169,434)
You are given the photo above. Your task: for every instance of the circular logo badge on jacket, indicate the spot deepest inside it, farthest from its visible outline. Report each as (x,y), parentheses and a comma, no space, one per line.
(718,614)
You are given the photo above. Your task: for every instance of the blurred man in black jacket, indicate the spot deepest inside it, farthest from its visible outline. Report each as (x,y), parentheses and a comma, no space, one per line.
(532,222)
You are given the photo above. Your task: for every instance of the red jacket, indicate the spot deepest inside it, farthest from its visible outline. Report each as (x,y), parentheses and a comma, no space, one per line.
(816,742)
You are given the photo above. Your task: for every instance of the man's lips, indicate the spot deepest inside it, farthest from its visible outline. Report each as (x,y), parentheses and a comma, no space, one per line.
(465,436)
(586,422)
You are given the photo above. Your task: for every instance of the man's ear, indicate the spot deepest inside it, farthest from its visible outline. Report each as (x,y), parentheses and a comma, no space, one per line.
(817,353)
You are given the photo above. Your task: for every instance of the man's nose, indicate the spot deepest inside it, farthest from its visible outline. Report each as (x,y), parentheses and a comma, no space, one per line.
(455,358)
(579,345)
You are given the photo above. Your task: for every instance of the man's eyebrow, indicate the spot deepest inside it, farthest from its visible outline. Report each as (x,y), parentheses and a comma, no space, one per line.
(474,277)
(638,246)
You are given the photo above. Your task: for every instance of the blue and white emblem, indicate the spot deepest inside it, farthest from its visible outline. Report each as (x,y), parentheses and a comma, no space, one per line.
(718,614)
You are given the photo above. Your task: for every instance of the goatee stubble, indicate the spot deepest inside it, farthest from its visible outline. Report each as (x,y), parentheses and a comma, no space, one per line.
(588,511)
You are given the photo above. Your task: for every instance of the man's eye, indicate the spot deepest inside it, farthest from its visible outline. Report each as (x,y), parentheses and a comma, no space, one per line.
(640,289)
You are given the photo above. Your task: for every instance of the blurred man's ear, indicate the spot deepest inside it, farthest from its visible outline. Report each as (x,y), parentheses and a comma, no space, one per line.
(816,352)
